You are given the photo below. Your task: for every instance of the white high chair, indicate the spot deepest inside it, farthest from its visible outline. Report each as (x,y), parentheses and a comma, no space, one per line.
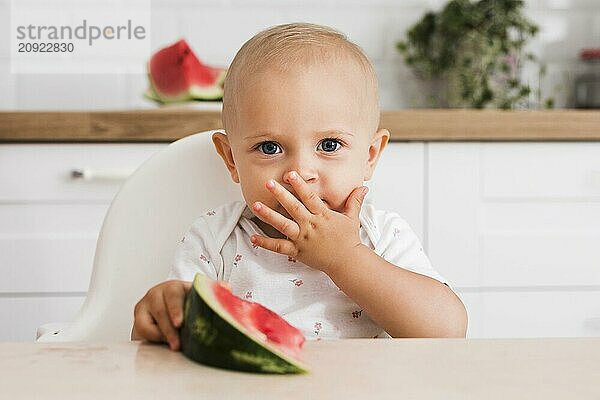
(146,219)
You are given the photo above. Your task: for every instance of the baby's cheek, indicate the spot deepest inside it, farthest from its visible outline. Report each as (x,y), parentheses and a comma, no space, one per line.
(337,201)
(341,193)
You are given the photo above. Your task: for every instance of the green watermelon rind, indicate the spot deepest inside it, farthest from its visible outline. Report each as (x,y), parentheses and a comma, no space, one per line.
(209,335)
(151,94)
(206,93)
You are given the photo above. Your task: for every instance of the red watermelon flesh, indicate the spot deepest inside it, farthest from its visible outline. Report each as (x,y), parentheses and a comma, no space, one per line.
(176,74)
(256,317)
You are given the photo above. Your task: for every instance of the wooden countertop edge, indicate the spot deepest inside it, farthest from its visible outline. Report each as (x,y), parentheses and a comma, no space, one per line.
(170,123)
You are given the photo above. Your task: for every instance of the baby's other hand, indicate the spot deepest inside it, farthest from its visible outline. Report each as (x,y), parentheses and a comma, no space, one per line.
(159,314)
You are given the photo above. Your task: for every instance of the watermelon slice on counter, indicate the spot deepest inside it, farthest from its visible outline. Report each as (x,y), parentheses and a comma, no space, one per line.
(222,330)
(177,75)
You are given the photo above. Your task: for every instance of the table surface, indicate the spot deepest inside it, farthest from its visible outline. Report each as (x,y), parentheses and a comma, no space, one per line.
(345,369)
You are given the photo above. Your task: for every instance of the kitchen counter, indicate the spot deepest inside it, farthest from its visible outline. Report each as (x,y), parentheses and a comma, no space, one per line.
(340,369)
(171,123)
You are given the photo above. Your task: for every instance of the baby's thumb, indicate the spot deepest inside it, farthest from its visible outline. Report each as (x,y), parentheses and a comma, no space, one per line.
(355,201)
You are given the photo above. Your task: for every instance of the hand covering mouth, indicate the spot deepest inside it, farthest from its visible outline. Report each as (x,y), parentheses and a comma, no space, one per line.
(281,209)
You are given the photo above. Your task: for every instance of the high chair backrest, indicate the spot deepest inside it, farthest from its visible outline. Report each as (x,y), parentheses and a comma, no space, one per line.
(146,219)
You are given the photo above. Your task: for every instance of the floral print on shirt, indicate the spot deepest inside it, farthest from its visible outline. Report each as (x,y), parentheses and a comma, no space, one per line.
(318,327)
(297,282)
(237,259)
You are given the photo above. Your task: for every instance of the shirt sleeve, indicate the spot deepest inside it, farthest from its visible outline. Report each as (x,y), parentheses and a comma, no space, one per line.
(193,255)
(399,245)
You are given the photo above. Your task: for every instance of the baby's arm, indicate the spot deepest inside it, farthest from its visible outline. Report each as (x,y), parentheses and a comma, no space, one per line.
(159,314)
(402,302)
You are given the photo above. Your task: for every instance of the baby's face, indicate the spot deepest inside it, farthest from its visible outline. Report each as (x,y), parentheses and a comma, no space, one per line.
(310,121)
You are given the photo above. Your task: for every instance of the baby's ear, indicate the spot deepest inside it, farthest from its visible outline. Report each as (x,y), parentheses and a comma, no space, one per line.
(223,147)
(378,143)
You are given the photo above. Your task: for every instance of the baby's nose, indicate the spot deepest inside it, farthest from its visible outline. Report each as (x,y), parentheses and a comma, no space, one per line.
(307,175)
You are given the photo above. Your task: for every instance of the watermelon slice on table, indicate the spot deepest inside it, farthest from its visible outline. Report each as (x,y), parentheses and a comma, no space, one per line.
(222,330)
(177,75)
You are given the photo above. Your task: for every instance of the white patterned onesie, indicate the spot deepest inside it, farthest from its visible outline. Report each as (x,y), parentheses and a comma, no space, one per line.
(218,245)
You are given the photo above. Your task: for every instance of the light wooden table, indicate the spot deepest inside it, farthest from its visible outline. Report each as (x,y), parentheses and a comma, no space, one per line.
(342,369)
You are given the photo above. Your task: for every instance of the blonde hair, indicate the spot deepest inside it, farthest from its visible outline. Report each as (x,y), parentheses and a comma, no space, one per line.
(288,45)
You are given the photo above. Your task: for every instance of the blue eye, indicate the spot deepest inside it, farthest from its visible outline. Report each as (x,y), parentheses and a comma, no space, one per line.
(329,145)
(269,148)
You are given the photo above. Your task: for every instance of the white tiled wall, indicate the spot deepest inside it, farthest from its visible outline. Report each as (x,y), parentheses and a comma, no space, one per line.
(217,28)
(6,79)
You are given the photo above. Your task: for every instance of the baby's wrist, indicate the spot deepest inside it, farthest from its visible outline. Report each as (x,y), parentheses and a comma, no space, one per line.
(347,260)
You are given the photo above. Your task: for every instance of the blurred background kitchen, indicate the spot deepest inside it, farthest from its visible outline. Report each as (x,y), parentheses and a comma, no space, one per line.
(507,204)
(215,29)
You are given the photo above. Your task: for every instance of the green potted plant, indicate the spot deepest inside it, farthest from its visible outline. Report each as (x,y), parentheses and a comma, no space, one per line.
(473,53)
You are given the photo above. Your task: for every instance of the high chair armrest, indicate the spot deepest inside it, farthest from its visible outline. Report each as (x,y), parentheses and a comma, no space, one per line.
(51,332)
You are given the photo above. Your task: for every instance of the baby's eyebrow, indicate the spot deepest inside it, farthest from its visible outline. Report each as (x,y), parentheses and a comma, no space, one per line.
(319,133)
(259,135)
(333,132)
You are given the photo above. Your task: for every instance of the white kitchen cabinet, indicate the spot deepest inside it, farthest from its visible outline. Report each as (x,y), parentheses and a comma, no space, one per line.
(50,218)
(533,313)
(516,228)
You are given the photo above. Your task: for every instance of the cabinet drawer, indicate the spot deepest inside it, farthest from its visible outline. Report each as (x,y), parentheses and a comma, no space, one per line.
(21,316)
(533,314)
(518,171)
(48,247)
(531,257)
(488,227)
(44,172)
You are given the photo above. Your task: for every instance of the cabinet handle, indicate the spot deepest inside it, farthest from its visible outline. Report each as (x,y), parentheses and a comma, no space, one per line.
(87,174)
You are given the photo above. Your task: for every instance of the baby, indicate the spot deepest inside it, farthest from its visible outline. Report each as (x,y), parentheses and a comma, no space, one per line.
(301,116)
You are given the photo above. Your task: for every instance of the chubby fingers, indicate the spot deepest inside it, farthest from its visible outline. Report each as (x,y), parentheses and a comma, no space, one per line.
(354,202)
(309,198)
(144,326)
(293,206)
(281,246)
(174,296)
(284,225)
(160,313)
